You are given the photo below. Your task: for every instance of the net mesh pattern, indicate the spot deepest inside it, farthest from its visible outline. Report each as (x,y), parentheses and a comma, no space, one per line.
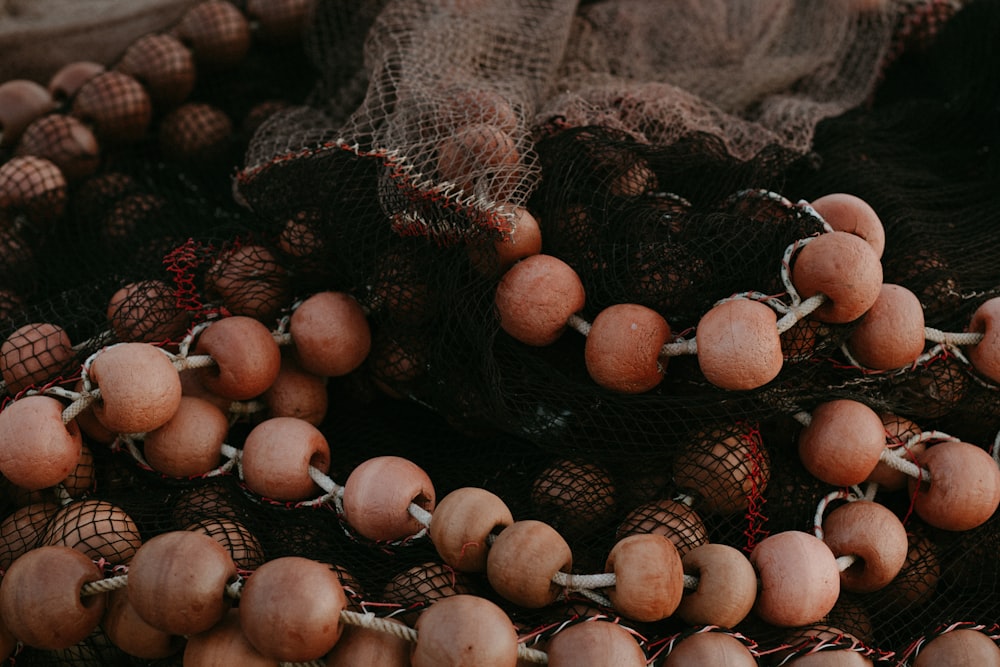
(666,150)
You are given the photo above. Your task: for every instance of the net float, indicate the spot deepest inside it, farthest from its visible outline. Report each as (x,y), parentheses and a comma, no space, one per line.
(710,648)
(189,443)
(726,589)
(679,523)
(290,609)
(799,579)
(97,528)
(41,602)
(297,393)
(845,269)
(330,333)
(224,644)
(891,334)
(623,348)
(277,455)
(462,525)
(842,443)
(959,647)
(595,644)
(247,358)
(464,630)
(845,212)
(140,387)
(378,494)
(177,582)
(536,297)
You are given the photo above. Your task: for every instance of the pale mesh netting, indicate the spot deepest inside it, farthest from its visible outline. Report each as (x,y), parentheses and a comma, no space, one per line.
(450,95)
(458,89)
(753,73)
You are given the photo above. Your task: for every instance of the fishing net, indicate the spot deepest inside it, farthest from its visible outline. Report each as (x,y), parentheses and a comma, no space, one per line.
(400,156)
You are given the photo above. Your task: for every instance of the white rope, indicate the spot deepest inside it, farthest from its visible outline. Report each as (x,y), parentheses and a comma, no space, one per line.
(73,410)
(335,492)
(840,494)
(895,457)
(786,265)
(593,596)
(323,481)
(183,360)
(758,193)
(777,304)
(673,349)
(373,622)
(62,495)
(286,320)
(952,339)
(103,585)
(853,495)
(685,499)
(845,562)
(61,392)
(925,357)
(927,436)
(791,314)
(420,514)
(583,584)
(577,582)
(234,589)
(232,456)
(332,490)
(190,363)
(679,347)
(586,585)
(905,466)
(129,443)
(229,451)
(100,339)
(800,311)
(579,324)
(808,209)
(184,346)
(846,351)
(958,354)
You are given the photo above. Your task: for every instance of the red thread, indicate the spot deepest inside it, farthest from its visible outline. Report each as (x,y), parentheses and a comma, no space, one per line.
(755,531)
(182,263)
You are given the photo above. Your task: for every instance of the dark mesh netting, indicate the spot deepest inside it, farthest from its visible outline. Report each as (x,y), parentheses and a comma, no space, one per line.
(355,333)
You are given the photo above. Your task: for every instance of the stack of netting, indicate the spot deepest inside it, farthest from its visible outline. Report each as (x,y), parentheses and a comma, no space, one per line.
(497,311)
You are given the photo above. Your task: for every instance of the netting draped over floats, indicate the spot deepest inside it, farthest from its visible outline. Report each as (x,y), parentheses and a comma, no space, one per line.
(667,151)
